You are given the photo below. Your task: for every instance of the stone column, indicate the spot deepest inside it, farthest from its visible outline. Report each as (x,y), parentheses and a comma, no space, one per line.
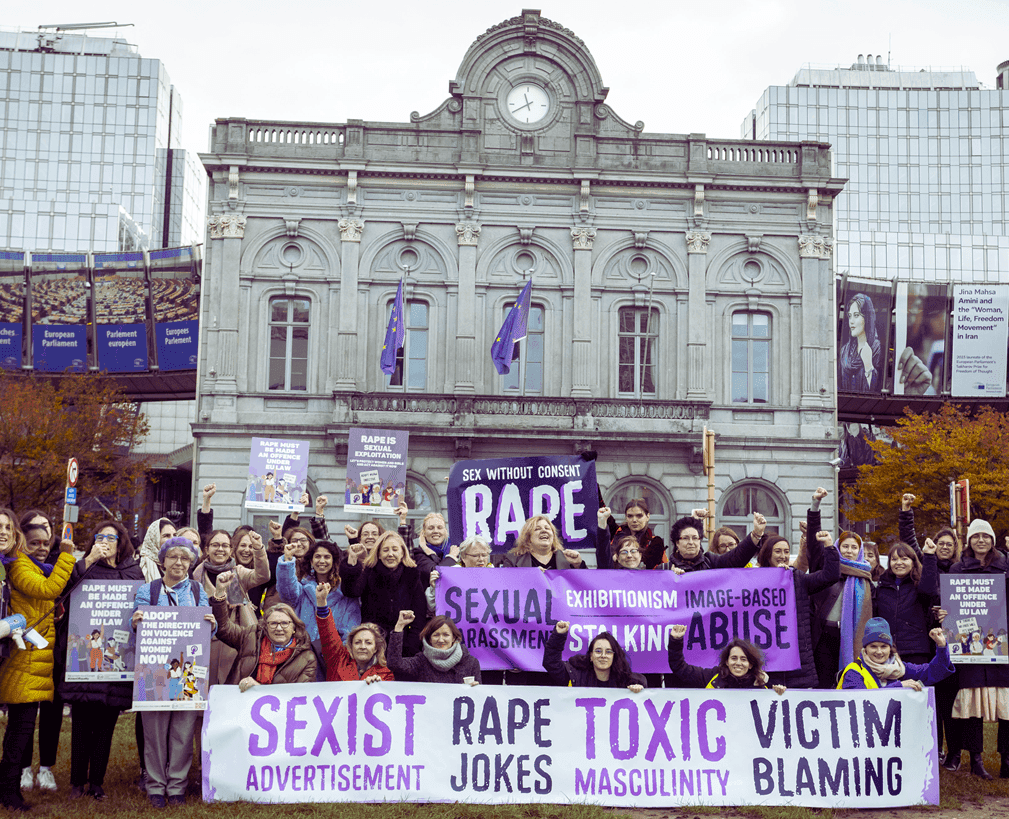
(698,371)
(583,378)
(468,235)
(344,357)
(814,261)
(229,228)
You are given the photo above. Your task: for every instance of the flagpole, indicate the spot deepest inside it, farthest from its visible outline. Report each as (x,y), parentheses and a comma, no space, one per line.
(526,276)
(648,330)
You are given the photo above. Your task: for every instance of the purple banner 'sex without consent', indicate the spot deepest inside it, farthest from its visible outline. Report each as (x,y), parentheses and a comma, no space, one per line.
(506,615)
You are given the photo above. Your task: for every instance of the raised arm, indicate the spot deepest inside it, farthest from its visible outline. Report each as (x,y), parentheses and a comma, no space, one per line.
(688,676)
(552,650)
(905,523)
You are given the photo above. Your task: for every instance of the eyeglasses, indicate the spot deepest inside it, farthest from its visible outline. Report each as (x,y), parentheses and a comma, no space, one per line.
(278,625)
(690,539)
(220,544)
(948,543)
(478,555)
(178,558)
(299,541)
(106,538)
(628,552)
(602,652)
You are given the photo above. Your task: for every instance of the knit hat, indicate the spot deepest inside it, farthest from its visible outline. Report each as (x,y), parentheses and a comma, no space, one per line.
(980,527)
(178,543)
(877,630)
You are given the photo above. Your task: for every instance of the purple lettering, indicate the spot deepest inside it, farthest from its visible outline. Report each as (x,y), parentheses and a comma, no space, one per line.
(409,701)
(255,748)
(326,731)
(370,748)
(294,724)
(702,730)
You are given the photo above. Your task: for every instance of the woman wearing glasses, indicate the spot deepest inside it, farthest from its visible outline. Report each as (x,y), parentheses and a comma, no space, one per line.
(687,555)
(276,650)
(603,665)
(94,709)
(860,361)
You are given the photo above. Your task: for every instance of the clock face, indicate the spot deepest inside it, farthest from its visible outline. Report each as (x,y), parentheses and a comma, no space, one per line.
(528,103)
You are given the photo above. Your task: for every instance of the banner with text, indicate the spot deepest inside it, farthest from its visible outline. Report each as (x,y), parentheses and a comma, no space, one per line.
(120,293)
(376,471)
(349,742)
(975,623)
(99,647)
(173,653)
(506,615)
(59,298)
(175,301)
(493,498)
(980,335)
(278,474)
(12,305)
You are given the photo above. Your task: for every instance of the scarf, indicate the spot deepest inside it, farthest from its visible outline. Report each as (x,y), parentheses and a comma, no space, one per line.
(149,551)
(47,568)
(270,659)
(892,669)
(387,578)
(236,596)
(444,659)
(856,606)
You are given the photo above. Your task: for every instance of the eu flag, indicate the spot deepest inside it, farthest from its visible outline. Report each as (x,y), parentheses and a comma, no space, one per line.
(505,349)
(395,334)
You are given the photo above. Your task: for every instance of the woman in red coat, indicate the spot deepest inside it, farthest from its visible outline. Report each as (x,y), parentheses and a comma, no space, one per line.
(364,660)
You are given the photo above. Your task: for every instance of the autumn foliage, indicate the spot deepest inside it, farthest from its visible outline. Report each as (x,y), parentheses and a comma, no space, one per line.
(44,422)
(928,452)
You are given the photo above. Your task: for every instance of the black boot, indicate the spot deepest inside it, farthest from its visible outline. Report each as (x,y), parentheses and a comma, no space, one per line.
(1004,770)
(977,767)
(952,761)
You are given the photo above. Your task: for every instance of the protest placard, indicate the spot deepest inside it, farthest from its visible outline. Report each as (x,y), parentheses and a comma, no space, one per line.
(506,615)
(493,498)
(173,652)
(278,474)
(976,605)
(980,333)
(422,742)
(376,471)
(99,647)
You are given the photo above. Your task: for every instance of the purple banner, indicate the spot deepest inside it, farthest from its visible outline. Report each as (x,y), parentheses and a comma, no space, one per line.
(493,499)
(122,348)
(506,615)
(59,347)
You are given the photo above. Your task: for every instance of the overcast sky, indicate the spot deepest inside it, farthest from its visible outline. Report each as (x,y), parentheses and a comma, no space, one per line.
(679,67)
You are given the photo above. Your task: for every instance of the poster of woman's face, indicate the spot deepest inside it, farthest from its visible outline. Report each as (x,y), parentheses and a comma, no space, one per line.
(861,338)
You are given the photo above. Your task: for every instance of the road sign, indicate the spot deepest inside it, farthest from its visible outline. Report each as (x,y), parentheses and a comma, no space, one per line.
(71,494)
(72,472)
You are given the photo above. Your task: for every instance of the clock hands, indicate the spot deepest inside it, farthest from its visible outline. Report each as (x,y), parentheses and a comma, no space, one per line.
(527,105)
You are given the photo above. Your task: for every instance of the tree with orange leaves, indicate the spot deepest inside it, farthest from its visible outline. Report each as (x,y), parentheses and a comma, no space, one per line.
(46,421)
(928,451)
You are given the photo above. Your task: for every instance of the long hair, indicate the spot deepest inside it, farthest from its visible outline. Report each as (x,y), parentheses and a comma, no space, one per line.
(968,549)
(210,536)
(620,670)
(436,623)
(715,544)
(236,538)
(371,560)
(767,549)
(377,524)
(19,544)
(300,530)
(523,541)
(334,550)
(752,653)
(124,546)
(868,311)
(380,644)
(906,551)
(300,632)
(873,548)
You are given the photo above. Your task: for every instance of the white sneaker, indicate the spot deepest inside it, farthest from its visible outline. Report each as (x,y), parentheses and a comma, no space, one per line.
(27,780)
(46,780)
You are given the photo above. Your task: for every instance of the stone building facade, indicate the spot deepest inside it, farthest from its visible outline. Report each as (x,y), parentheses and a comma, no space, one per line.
(678,282)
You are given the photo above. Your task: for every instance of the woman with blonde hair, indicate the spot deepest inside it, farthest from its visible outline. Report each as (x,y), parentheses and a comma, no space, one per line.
(361,658)
(387,581)
(539,546)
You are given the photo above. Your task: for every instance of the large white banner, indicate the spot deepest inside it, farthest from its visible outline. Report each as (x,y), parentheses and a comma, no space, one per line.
(980,334)
(349,742)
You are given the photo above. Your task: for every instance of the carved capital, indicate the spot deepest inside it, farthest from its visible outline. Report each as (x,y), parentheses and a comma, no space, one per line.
(468,234)
(812,246)
(581,237)
(350,230)
(226,226)
(233,182)
(697,241)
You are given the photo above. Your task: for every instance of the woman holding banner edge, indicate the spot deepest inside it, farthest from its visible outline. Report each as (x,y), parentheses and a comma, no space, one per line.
(603,665)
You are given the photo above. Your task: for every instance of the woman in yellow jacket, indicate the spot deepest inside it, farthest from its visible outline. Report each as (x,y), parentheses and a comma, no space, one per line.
(26,677)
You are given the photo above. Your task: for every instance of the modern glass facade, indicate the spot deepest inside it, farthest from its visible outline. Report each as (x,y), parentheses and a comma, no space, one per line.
(89,148)
(926,163)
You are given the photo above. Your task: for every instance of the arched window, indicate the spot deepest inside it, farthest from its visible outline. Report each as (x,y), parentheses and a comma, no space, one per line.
(660,505)
(420,498)
(738,504)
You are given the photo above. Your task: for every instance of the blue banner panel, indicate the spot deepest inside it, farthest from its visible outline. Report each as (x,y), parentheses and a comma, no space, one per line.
(122,348)
(10,346)
(58,347)
(177,344)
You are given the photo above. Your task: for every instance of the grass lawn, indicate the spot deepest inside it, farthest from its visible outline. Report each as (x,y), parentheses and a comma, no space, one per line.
(126,801)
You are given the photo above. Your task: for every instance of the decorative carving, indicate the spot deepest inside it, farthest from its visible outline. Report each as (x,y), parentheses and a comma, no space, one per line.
(583,199)
(753,243)
(640,239)
(351,187)
(233,182)
(516,21)
(812,246)
(409,231)
(699,201)
(226,226)
(697,241)
(811,203)
(526,235)
(350,230)
(828,248)
(581,237)
(292,227)
(468,234)
(470,190)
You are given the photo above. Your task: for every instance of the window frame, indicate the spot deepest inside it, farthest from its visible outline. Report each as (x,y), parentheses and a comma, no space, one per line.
(639,335)
(289,325)
(750,341)
(409,340)
(521,370)
(776,524)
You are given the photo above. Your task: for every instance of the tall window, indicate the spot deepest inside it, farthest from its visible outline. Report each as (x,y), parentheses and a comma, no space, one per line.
(751,357)
(637,336)
(739,504)
(289,343)
(527,373)
(411,364)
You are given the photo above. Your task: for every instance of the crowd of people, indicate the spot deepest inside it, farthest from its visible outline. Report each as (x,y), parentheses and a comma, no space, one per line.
(303,608)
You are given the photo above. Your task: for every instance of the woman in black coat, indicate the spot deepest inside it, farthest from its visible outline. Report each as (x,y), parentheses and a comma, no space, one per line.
(387,581)
(94,709)
(740,665)
(603,665)
(904,597)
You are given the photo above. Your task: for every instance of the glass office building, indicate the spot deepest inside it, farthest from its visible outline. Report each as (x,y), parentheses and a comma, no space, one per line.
(926,163)
(90,157)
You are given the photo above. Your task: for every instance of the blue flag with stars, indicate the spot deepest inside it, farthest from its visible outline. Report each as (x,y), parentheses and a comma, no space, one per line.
(395,334)
(504,350)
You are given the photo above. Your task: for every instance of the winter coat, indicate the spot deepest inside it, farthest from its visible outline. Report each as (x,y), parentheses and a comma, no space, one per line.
(247,640)
(27,676)
(112,694)
(854,676)
(905,530)
(733,559)
(908,608)
(578,670)
(419,669)
(652,548)
(345,612)
(385,594)
(982,676)
(340,665)
(693,676)
(525,561)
